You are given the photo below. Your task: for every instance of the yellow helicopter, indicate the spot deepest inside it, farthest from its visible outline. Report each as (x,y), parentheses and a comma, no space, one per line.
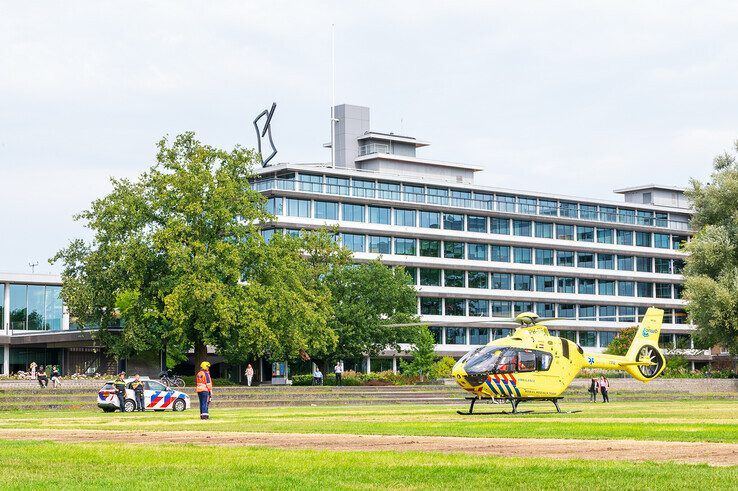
(533,365)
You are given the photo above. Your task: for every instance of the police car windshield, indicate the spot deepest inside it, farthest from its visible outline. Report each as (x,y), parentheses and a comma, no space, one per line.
(487,359)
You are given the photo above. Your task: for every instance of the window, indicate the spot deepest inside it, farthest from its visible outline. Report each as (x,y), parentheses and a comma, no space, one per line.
(608,214)
(523,282)
(501,309)
(430,248)
(544,230)
(527,205)
(605,261)
(607,313)
(500,226)
(438,196)
(476,224)
(643,239)
(626,216)
(404,218)
(626,314)
(453,250)
(353,242)
(389,190)
(568,210)
(414,194)
(453,278)
(587,313)
(453,221)
(545,257)
(353,213)
(364,189)
(548,207)
(545,309)
(662,265)
(564,232)
(644,264)
(478,308)
(500,254)
(454,306)
(678,290)
(606,338)
(519,307)
(662,219)
(500,281)
(412,274)
(477,279)
(588,212)
(455,335)
(405,247)
(644,289)
(298,207)
(337,185)
(678,242)
(274,206)
(586,286)
(430,306)
(645,217)
(506,203)
(477,252)
(483,201)
(604,235)
(479,335)
(565,285)
(587,339)
(430,277)
(522,228)
(326,210)
(625,237)
(380,245)
(678,266)
(662,241)
(311,183)
(663,290)
(526,361)
(567,310)
(570,335)
(565,258)
(379,215)
(585,234)
(522,255)
(625,263)
(606,287)
(626,288)
(545,284)
(437,333)
(585,260)
(430,219)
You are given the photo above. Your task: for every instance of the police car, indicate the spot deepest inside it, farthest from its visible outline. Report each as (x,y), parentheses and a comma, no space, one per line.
(157,397)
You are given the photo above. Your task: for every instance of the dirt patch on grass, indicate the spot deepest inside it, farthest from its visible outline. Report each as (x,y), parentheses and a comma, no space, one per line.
(717,454)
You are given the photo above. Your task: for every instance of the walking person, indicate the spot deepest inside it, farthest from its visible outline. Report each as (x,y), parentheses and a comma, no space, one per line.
(338,370)
(120,390)
(55,377)
(593,386)
(604,388)
(138,391)
(249,374)
(43,379)
(204,389)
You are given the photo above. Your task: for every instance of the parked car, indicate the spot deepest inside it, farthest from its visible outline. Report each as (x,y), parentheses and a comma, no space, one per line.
(157,397)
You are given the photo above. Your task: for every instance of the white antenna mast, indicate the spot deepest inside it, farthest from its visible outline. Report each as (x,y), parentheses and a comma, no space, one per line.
(333,95)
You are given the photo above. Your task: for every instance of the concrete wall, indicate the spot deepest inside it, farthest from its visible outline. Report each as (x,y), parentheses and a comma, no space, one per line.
(353,122)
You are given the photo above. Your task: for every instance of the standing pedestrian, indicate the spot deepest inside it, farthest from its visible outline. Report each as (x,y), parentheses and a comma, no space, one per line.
(120,390)
(138,391)
(604,388)
(593,386)
(33,367)
(55,377)
(338,370)
(43,379)
(249,374)
(204,389)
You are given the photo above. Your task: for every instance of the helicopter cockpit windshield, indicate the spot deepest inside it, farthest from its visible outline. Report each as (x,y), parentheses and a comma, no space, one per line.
(503,359)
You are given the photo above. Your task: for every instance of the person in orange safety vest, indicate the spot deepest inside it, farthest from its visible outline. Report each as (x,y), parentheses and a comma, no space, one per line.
(204,388)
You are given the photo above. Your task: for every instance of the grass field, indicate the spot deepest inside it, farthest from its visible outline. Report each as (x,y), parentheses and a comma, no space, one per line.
(47,465)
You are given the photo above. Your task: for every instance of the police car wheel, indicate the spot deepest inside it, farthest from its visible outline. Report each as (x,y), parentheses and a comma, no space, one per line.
(179,405)
(129,406)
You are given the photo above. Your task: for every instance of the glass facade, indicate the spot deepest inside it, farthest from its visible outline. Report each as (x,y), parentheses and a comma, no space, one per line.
(35,308)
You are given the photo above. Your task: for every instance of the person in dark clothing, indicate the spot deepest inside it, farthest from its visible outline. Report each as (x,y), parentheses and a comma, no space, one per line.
(43,379)
(120,390)
(605,388)
(593,386)
(138,391)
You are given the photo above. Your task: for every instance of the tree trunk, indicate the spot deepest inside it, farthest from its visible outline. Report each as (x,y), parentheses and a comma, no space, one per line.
(201,354)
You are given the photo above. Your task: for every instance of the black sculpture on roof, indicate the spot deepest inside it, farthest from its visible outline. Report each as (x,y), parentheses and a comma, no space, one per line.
(265,131)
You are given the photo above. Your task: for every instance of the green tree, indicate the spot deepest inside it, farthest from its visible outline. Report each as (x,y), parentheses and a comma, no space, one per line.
(711,271)
(367,298)
(177,257)
(622,341)
(424,355)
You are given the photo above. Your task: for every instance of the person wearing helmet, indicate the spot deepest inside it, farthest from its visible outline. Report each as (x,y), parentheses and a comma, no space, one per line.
(204,388)
(120,390)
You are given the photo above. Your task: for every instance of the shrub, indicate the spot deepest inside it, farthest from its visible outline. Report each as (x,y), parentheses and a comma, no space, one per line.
(443,367)
(189,381)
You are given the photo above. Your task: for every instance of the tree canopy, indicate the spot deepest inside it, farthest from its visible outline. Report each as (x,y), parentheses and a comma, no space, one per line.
(711,270)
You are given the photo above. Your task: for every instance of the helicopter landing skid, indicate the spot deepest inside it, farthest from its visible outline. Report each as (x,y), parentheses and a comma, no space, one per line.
(514,403)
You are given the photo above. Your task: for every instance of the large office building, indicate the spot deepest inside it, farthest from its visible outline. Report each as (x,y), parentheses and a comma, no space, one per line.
(478,252)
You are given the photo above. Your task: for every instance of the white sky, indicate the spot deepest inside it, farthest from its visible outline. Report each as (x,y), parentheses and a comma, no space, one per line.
(578,98)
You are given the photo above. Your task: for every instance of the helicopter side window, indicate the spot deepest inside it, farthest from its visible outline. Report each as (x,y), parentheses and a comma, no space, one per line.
(526,361)
(508,362)
(544,361)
